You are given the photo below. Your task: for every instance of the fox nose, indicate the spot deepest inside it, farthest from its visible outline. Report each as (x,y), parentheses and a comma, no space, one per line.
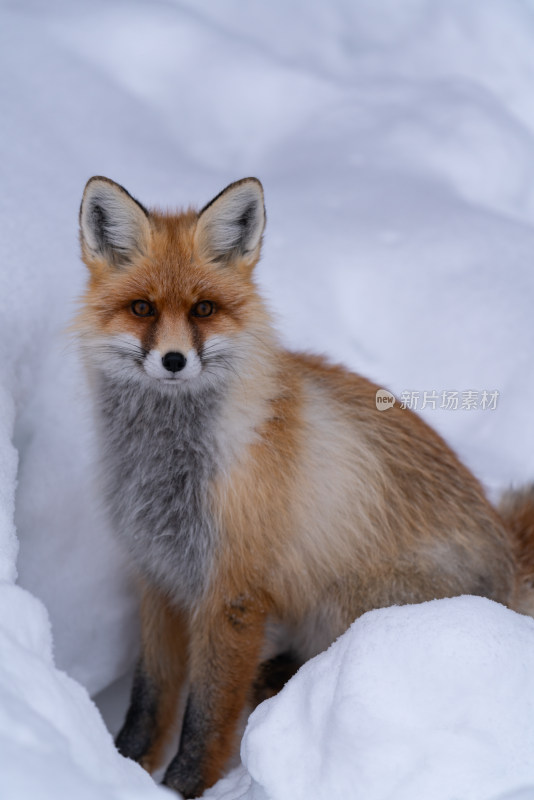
(174,362)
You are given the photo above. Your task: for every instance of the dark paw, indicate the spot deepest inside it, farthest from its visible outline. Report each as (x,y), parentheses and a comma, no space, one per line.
(273,675)
(132,743)
(189,784)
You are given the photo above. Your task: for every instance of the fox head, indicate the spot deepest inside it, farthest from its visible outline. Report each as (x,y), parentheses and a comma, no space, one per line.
(170,299)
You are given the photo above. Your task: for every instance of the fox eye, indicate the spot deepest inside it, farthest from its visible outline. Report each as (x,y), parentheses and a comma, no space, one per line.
(142,308)
(203,309)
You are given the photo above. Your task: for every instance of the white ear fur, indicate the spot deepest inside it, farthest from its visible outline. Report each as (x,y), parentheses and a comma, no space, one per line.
(114,226)
(231,226)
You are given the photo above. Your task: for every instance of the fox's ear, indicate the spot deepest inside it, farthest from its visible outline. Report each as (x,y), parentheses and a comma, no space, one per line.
(114,227)
(230,228)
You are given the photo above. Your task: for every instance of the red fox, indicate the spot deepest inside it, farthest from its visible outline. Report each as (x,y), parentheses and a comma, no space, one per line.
(263,499)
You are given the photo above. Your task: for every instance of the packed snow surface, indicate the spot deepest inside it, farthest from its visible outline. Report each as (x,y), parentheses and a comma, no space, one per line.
(395,142)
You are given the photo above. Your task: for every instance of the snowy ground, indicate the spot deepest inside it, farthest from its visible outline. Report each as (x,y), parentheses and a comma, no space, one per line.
(395,141)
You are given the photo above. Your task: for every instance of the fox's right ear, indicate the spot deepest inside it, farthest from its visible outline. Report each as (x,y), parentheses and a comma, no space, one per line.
(114,227)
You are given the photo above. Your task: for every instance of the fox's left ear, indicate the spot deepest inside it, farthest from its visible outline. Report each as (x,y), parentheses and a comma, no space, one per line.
(229,229)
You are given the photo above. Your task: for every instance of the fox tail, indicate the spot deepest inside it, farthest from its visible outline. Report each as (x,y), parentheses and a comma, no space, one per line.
(517,510)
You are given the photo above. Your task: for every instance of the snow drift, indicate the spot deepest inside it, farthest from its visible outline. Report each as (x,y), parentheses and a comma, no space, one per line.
(395,142)
(400,707)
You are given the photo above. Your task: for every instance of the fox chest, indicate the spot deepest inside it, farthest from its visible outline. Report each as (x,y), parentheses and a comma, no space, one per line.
(160,459)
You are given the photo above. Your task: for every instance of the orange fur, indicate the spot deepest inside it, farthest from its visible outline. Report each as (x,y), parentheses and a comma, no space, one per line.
(517,511)
(165,641)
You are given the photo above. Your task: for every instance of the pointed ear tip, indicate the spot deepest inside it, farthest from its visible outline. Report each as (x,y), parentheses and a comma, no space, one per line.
(109,188)
(250,182)
(95,180)
(253,180)
(253,185)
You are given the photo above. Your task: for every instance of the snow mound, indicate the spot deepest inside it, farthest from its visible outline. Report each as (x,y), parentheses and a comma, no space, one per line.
(425,701)
(53,742)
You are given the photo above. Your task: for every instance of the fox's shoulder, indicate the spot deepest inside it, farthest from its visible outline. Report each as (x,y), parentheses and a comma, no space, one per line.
(332,392)
(342,384)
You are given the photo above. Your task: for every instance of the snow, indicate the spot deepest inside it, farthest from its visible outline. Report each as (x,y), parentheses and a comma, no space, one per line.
(408,714)
(52,741)
(395,142)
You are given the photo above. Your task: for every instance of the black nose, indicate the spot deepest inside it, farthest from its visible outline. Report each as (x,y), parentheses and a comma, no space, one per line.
(174,362)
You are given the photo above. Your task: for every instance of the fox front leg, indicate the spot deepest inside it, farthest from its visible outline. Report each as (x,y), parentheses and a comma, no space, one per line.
(139,730)
(224,658)
(159,677)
